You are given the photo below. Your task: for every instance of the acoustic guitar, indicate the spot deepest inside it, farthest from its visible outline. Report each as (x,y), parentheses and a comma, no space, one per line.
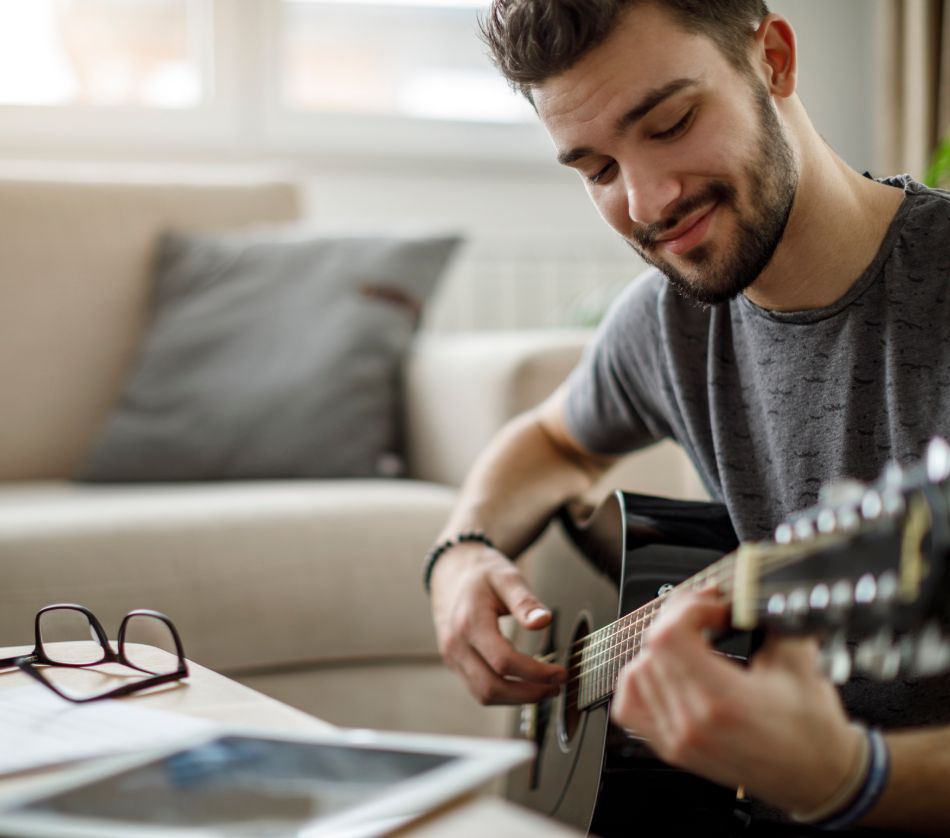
(865,571)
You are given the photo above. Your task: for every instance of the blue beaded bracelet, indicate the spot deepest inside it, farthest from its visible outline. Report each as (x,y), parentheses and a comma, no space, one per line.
(872,788)
(436,552)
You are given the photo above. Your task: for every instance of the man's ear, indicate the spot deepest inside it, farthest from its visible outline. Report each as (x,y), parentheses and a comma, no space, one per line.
(776,55)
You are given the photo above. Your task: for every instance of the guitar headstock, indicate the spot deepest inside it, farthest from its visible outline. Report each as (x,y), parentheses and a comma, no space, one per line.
(867,563)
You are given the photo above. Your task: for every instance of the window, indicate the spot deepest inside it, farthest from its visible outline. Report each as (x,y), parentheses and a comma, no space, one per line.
(417,59)
(252,77)
(101,53)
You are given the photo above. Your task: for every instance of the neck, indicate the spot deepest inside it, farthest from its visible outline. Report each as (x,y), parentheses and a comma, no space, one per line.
(838,220)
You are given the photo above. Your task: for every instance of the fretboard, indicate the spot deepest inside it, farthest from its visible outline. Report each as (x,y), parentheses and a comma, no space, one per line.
(598,658)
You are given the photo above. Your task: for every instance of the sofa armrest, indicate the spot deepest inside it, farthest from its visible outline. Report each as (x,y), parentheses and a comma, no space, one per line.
(461,388)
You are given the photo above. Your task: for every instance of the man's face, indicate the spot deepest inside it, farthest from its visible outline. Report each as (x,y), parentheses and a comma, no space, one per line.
(682,154)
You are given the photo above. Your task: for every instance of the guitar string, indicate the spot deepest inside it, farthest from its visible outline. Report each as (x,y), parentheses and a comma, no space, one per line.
(772,558)
(630,645)
(608,632)
(628,637)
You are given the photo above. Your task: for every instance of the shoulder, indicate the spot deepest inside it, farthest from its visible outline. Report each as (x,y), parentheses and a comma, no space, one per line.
(924,207)
(921,244)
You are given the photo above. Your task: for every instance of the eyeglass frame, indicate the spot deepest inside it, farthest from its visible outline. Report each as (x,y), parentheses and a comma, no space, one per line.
(28,663)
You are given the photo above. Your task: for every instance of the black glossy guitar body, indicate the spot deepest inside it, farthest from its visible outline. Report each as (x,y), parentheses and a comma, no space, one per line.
(588,772)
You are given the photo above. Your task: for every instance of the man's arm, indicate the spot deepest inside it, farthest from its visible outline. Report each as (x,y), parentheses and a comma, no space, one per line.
(526,473)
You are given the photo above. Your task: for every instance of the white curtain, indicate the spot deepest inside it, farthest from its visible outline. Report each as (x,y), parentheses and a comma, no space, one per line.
(912,84)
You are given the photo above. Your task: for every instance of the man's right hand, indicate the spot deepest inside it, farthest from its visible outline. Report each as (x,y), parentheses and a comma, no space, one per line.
(472,586)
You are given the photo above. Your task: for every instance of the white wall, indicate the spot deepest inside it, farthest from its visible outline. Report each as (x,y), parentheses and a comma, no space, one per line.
(836,66)
(535,221)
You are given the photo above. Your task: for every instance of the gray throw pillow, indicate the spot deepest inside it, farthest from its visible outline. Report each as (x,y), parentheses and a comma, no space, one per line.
(270,353)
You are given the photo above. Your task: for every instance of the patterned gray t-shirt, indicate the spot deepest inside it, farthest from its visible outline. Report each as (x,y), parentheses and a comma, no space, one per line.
(769,406)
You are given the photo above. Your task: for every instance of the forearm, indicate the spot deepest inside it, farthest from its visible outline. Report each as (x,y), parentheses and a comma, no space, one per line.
(527,472)
(917,796)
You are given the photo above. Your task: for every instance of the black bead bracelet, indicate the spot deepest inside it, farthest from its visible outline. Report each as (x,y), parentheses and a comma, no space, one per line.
(436,552)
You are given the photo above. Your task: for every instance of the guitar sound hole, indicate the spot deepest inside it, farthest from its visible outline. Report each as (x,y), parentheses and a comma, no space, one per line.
(570,712)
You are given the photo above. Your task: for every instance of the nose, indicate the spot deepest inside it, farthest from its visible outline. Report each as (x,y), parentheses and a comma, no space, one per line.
(650,192)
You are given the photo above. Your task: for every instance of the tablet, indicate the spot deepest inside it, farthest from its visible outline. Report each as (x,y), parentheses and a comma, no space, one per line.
(235,783)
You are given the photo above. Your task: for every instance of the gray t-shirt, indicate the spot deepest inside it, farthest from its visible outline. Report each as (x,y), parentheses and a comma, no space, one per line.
(769,405)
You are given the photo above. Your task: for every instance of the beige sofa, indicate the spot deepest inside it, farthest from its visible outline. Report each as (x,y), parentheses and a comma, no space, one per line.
(309,591)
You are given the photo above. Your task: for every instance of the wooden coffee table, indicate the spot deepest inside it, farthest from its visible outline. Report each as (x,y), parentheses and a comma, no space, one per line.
(209,695)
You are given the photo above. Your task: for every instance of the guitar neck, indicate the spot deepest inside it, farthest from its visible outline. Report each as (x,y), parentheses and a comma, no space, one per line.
(882,564)
(601,655)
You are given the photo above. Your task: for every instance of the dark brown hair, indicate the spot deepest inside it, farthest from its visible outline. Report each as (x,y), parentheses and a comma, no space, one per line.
(533,40)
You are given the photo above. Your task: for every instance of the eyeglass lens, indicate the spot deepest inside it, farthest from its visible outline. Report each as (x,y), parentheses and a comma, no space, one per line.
(67,624)
(144,634)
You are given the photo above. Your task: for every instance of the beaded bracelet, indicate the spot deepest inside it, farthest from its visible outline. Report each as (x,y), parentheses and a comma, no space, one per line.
(436,552)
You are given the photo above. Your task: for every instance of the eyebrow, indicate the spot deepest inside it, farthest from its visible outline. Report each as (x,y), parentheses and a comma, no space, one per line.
(632,116)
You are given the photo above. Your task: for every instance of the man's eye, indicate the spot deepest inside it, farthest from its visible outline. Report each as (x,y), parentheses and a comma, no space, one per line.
(600,175)
(677,129)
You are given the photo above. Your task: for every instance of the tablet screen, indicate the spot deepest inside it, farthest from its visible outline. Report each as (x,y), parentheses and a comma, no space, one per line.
(265,786)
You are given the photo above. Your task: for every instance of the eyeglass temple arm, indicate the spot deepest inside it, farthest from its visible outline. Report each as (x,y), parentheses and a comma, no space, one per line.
(8,663)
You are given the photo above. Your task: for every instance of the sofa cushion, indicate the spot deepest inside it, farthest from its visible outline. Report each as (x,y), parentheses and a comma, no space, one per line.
(74,270)
(254,574)
(270,353)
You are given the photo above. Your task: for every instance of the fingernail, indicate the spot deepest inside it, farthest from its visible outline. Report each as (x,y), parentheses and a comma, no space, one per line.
(537,614)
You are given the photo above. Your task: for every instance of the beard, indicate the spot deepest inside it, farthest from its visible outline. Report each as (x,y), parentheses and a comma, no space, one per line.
(773,179)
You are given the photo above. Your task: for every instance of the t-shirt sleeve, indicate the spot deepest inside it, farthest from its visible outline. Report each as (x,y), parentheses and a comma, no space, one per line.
(610,396)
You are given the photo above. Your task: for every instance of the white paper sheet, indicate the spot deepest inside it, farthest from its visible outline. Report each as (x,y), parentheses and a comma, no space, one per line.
(38,728)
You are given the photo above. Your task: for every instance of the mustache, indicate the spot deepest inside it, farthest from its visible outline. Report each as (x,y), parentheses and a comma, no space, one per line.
(713,193)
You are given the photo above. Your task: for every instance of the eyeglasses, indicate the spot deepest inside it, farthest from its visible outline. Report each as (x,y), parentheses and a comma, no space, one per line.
(140,632)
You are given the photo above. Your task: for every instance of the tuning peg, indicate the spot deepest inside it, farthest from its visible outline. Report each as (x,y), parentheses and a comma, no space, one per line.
(820,597)
(938,460)
(933,651)
(893,475)
(893,500)
(865,591)
(847,518)
(804,529)
(827,523)
(872,505)
(836,659)
(879,656)
(784,534)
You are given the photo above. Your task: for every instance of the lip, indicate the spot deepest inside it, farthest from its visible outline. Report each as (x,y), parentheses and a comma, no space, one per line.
(682,241)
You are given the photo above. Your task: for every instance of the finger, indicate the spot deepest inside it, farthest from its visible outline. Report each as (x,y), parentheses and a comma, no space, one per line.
(689,615)
(628,707)
(503,659)
(522,604)
(646,712)
(799,654)
(490,688)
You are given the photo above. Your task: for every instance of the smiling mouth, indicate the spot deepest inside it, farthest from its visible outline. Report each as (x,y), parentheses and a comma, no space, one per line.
(685,239)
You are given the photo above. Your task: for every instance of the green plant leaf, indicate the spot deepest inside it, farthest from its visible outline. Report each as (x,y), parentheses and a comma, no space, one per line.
(939,170)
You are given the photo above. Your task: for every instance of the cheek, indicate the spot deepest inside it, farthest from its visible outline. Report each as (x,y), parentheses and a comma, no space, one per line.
(611,203)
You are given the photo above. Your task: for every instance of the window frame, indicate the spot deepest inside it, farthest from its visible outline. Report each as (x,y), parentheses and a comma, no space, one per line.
(243,116)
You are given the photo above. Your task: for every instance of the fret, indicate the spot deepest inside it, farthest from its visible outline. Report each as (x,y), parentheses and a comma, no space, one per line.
(601,661)
(604,653)
(582,673)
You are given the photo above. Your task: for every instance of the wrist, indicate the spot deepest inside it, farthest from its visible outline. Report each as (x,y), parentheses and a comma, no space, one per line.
(443,547)
(859,791)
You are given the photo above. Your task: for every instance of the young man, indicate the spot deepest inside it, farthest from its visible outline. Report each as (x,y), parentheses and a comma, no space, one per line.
(796,329)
